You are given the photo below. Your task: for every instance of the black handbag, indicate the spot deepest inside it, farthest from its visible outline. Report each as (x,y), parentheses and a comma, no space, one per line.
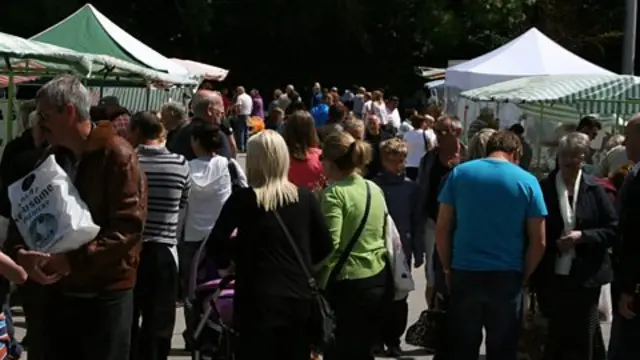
(323,320)
(429,332)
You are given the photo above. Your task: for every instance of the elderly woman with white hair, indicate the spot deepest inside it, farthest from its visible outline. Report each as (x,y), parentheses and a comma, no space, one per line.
(580,230)
(273,300)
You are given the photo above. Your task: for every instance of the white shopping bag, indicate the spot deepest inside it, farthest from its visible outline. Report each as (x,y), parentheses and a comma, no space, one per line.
(48,211)
(402,279)
(605,305)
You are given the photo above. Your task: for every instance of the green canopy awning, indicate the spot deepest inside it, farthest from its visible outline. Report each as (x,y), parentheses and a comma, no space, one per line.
(89,31)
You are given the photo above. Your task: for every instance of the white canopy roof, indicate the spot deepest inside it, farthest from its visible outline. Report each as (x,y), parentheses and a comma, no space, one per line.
(530,54)
(209,72)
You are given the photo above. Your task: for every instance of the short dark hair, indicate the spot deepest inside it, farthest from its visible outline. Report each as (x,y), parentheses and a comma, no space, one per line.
(394,99)
(337,113)
(207,135)
(504,141)
(589,121)
(517,129)
(147,124)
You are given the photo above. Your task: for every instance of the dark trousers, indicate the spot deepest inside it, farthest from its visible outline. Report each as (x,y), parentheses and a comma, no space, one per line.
(358,306)
(33,301)
(412,173)
(286,343)
(627,333)
(394,324)
(485,299)
(88,326)
(155,298)
(574,327)
(186,252)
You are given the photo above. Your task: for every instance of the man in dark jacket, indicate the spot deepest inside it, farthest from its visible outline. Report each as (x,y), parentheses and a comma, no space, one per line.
(208,106)
(628,327)
(90,292)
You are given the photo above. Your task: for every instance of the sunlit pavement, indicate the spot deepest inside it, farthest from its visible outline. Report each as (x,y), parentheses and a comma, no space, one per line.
(416,305)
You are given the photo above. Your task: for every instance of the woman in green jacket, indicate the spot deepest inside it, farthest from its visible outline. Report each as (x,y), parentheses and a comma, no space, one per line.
(354,276)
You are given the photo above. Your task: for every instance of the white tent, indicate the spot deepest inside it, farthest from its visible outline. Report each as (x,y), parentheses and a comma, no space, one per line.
(530,54)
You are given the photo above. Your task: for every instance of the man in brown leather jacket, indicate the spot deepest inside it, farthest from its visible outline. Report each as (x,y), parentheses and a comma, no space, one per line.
(89,298)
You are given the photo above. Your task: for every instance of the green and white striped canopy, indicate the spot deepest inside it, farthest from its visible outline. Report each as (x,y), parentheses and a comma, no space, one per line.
(624,104)
(563,89)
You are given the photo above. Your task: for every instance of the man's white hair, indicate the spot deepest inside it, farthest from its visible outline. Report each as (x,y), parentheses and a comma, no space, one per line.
(64,90)
(202,100)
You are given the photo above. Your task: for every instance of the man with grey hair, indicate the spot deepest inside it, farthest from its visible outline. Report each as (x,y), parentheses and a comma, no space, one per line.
(206,105)
(174,118)
(285,99)
(90,292)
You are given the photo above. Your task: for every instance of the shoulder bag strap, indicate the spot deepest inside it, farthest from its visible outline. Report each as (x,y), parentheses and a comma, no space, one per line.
(296,251)
(233,172)
(426,141)
(354,239)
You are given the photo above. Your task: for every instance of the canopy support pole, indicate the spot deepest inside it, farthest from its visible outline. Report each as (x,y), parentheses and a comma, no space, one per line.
(8,118)
(539,137)
(148,100)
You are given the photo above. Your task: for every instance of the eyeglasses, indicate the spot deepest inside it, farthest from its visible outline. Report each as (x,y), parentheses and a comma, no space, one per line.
(445,132)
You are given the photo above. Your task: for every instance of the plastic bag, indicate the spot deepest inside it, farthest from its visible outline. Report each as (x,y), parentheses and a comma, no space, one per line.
(401,271)
(48,211)
(605,306)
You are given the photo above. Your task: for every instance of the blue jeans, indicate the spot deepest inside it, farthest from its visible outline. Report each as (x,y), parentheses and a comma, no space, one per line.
(485,299)
(240,131)
(14,346)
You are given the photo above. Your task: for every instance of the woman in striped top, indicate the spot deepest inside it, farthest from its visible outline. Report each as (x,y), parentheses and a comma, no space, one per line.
(168,184)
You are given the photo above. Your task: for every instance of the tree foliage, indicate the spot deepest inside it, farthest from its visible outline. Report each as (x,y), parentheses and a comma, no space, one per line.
(342,42)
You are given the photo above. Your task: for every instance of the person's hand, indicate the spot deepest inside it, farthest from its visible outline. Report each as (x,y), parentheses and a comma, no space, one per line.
(569,241)
(58,264)
(625,306)
(33,262)
(12,271)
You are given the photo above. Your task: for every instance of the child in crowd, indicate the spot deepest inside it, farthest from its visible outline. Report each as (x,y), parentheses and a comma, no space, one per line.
(9,350)
(401,195)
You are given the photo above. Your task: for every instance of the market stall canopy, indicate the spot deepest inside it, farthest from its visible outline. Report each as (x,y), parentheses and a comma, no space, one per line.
(430,73)
(13,49)
(565,98)
(89,31)
(111,68)
(565,89)
(531,54)
(209,72)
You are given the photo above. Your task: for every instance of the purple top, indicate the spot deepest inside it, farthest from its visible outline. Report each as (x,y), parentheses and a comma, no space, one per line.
(258,107)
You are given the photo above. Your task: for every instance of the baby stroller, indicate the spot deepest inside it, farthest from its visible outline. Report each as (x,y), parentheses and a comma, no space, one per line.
(209,307)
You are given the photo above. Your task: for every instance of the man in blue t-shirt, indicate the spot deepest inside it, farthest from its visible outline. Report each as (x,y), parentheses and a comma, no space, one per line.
(490,238)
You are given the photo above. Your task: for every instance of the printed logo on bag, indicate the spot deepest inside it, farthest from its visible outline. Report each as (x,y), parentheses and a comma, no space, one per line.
(28,181)
(42,230)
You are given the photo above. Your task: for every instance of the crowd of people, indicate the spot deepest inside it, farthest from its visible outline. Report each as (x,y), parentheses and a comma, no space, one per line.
(320,178)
